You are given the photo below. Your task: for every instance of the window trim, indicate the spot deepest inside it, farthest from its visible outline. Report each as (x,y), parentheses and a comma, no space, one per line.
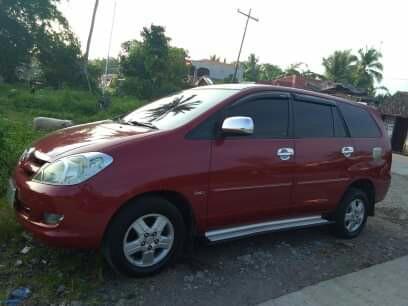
(221,114)
(313,99)
(343,122)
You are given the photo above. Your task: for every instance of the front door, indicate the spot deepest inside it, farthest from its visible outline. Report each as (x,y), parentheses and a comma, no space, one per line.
(321,149)
(249,181)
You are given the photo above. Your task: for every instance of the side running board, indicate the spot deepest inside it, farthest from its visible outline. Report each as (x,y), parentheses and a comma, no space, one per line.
(253,229)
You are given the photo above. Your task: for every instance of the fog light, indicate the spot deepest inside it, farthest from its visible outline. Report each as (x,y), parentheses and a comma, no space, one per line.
(52,219)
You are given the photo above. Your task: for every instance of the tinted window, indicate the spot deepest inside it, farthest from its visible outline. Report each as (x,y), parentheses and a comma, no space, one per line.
(359,122)
(205,130)
(271,116)
(339,128)
(312,120)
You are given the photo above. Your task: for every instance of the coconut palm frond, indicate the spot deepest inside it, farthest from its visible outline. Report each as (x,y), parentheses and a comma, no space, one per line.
(178,105)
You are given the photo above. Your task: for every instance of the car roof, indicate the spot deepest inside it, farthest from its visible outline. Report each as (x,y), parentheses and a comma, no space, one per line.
(253,88)
(231,86)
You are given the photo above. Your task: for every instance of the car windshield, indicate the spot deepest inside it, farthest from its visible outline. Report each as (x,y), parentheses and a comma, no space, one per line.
(177,109)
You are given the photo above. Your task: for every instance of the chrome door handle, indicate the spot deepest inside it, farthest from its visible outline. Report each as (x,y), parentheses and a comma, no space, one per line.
(285,153)
(347,151)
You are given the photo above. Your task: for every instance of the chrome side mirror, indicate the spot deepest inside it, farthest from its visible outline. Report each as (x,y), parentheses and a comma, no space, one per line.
(238,125)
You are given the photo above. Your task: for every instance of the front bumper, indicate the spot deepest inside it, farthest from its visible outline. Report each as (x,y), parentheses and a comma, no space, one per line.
(86,214)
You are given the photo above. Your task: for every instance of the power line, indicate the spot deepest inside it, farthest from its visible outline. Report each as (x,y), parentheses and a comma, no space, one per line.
(109,47)
(397,79)
(110,37)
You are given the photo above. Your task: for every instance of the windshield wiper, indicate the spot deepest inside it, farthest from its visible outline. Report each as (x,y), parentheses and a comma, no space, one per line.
(145,124)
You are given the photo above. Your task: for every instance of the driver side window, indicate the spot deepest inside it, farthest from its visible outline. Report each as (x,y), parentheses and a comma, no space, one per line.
(270,116)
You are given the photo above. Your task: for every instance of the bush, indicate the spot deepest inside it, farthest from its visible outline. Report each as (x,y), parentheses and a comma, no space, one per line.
(4,166)
(15,136)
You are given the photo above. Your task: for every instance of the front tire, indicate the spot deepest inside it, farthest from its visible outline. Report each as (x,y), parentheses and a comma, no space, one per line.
(144,237)
(351,215)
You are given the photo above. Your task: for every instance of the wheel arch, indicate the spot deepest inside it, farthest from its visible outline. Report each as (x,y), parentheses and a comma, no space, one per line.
(175,198)
(368,187)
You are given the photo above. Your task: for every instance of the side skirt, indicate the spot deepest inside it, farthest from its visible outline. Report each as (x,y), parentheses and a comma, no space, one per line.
(257,228)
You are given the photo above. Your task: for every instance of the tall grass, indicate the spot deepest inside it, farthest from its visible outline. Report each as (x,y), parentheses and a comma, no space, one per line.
(78,272)
(18,107)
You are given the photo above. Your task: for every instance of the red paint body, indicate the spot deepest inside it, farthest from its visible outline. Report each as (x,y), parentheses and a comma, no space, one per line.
(226,182)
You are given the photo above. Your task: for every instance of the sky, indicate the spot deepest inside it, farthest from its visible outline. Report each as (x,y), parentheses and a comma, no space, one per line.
(288,32)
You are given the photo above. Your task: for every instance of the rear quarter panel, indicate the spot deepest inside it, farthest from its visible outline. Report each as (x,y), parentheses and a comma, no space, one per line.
(364,166)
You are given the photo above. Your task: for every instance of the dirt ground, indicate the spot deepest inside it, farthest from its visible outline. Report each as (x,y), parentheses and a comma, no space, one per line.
(253,270)
(242,272)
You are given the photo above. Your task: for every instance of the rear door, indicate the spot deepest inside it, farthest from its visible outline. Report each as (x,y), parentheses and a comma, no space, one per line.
(249,182)
(321,146)
(371,157)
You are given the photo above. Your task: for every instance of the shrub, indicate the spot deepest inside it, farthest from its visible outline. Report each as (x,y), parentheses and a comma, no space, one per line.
(4,166)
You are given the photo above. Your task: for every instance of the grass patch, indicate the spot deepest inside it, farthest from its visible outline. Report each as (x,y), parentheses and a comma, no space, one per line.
(18,108)
(44,269)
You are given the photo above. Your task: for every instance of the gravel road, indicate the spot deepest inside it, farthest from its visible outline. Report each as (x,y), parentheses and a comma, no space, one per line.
(250,271)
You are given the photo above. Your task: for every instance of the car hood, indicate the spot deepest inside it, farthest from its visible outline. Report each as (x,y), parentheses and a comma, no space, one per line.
(104,132)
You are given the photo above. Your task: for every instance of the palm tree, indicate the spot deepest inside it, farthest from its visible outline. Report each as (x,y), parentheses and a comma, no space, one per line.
(251,68)
(215,58)
(180,104)
(295,69)
(340,66)
(308,74)
(270,72)
(369,68)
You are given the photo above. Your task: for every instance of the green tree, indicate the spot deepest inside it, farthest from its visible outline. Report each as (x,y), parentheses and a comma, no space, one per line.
(96,68)
(21,24)
(369,69)
(215,58)
(35,30)
(340,66)
(270,72)
(60,59)
(152,67)
(252,69)
(295,69)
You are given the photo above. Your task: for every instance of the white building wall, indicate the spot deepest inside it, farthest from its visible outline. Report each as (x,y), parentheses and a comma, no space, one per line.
(219,71)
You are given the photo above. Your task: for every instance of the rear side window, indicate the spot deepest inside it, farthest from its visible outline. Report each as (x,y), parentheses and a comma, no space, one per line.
(313,120)
(271,116)
(359,121)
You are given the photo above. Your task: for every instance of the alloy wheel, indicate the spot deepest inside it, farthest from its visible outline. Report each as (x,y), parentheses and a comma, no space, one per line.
(354,216)
(148,240)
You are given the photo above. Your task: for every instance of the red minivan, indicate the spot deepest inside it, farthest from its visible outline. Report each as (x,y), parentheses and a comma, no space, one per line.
(219,162)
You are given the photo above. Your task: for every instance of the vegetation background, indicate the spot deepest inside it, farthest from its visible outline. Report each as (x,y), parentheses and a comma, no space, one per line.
(51,274)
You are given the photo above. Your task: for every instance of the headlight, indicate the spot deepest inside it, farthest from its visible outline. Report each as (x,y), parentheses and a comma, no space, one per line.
(74,169)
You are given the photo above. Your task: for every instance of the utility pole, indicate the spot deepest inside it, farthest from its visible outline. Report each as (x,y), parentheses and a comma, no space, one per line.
(88,45)
(243,38)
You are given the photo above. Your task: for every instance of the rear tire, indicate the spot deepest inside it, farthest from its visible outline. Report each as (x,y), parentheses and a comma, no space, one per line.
(351,215)
(144,237)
